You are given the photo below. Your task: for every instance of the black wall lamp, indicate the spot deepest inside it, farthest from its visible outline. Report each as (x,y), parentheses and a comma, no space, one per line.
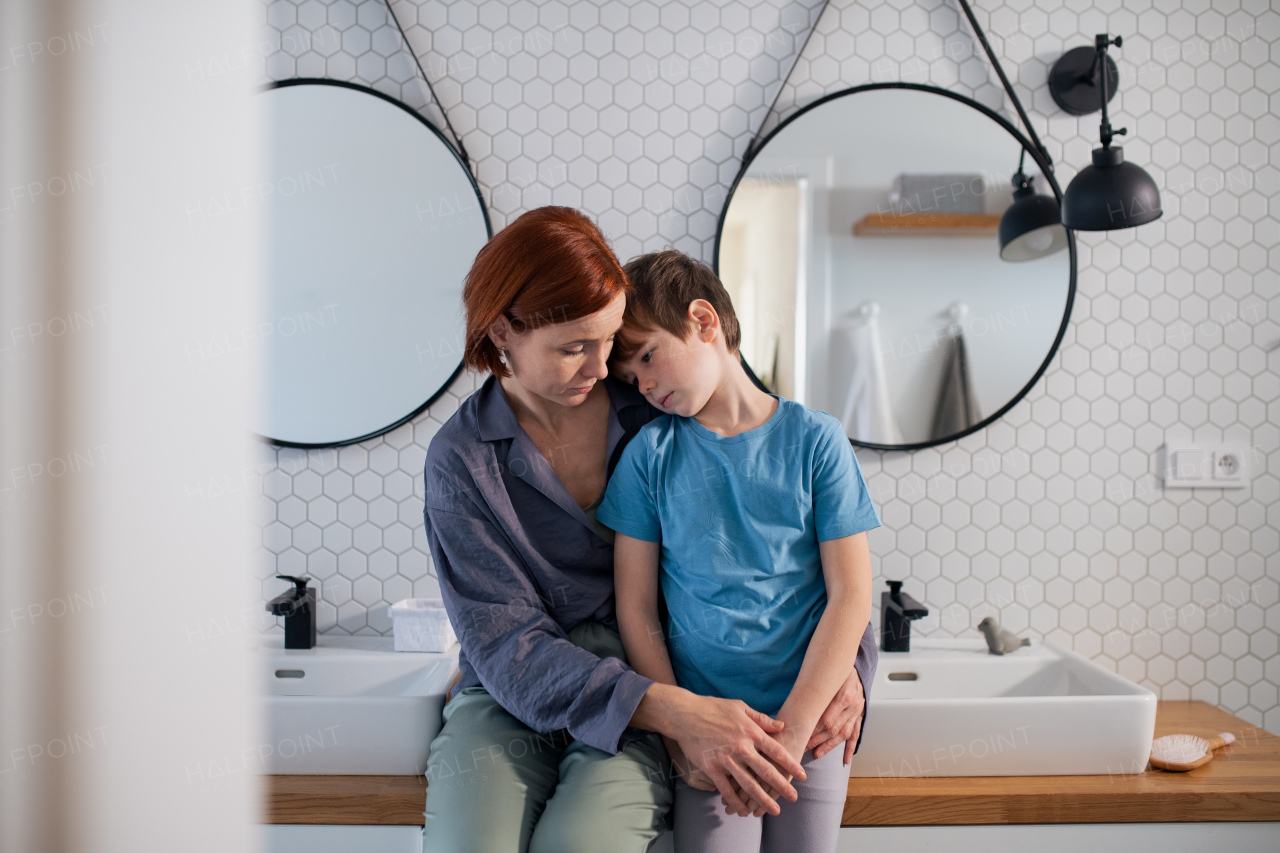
(1110,194)
(1031,227)
(1075,80)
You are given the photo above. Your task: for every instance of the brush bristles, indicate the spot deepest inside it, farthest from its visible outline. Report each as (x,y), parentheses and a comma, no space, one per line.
(1178,749)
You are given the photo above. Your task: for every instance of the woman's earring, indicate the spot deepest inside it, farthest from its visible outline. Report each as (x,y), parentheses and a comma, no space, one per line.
(502,355)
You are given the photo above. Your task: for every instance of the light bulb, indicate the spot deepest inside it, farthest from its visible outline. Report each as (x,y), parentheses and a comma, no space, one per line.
(1040,239)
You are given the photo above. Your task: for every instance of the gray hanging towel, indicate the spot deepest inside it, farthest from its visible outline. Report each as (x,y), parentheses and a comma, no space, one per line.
(957,406)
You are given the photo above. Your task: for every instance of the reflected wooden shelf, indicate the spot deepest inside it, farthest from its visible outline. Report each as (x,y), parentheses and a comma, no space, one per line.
(926,225)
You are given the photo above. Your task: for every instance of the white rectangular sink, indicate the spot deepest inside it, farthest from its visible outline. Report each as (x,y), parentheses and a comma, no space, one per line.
(351,705)
(949,708)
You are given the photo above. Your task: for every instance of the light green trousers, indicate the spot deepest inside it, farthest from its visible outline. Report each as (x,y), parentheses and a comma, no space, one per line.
(496,786)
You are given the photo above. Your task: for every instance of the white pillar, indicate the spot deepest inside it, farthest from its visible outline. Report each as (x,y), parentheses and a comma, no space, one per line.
(116,129)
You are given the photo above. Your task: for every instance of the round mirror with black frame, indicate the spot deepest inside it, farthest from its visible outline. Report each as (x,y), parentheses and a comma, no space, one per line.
(373,221)
(859,244)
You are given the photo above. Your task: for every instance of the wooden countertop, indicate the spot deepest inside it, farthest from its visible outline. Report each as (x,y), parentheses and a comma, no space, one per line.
(1242,783)
(393,800)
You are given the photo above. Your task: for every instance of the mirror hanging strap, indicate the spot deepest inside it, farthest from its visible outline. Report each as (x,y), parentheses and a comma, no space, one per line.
(755,140)
(1008,87)
(462,151)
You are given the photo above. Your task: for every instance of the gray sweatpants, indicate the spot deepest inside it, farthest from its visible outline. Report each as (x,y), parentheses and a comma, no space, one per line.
(809,825)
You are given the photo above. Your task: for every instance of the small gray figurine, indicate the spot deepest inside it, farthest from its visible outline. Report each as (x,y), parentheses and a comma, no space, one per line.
(1000,641)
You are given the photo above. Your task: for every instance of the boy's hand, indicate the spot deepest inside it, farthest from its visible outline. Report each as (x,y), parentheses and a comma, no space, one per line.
(701,781)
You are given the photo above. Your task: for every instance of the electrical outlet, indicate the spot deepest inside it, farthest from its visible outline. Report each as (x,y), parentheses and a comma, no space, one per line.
(1191,465)
(1228,467)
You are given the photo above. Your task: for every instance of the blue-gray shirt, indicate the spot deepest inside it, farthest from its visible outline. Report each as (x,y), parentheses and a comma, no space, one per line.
(520,564)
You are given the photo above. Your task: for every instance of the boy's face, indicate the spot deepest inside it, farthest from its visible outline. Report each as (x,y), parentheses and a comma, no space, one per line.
(677,375)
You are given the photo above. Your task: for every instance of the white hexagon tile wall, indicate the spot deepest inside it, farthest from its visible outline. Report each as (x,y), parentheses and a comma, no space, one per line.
(1054,518)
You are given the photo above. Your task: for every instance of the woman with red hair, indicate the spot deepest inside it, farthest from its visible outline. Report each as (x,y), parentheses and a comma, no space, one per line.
(550,741)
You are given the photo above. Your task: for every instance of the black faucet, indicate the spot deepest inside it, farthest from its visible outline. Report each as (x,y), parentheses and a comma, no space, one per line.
(897,609)
(298,607)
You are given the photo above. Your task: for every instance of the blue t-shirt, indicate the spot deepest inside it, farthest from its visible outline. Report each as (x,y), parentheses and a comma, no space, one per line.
(740,520)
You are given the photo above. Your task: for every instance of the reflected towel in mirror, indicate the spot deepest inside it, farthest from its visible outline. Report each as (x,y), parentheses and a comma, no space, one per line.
(868,414)
(957,405)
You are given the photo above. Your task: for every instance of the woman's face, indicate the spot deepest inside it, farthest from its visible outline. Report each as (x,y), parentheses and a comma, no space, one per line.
(560,362)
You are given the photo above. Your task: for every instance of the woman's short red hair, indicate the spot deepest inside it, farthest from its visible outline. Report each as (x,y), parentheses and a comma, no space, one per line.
(551,265)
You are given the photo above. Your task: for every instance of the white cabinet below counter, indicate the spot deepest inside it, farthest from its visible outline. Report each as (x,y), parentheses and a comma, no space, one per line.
(1226,836)
(317,838)
(1043,838)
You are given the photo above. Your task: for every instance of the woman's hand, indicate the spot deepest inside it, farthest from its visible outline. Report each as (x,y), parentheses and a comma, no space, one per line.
(692,776)
(841,721)
(727,740)
(794,742)
(732,743)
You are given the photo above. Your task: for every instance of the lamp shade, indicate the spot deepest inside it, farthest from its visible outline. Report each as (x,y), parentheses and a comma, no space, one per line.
(1031,227)
(1110,194)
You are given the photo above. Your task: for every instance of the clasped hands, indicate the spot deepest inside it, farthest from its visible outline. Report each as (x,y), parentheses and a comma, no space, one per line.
(751,772)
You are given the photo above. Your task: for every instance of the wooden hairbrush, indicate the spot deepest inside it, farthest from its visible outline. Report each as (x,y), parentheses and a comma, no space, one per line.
(1186,752)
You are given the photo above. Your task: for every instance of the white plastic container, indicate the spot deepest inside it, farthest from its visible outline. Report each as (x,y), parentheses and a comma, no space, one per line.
(421,625)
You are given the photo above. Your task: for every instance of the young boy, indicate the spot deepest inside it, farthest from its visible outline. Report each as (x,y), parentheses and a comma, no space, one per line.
(751,511)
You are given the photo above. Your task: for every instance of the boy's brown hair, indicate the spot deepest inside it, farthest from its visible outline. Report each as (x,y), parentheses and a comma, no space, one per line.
(662,286)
